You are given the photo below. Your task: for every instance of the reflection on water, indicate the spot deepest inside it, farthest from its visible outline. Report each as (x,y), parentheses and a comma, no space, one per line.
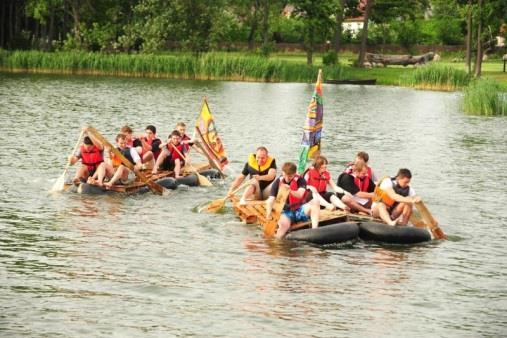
(147,265)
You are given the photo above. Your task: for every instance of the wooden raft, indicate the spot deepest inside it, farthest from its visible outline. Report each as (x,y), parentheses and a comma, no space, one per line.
(138,184)
(254,212)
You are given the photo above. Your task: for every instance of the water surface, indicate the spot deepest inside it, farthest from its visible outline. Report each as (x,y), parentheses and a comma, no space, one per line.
(74,265)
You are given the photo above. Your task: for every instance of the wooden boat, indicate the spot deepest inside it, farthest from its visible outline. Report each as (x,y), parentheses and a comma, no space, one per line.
(340,226)
(164,178)
(365,82)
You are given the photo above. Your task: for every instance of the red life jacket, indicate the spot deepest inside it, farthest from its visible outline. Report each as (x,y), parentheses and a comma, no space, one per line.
(150,142)
(91,157)
(174,154)
(317,180)
(294,202)
(362,184)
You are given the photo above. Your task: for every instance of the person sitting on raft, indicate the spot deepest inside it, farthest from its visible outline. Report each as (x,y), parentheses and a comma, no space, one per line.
(150,146)
(318,178)
(181,127)
(129,136)
(394,199)
(295,209)
(122,173)
(359,185)
(91,153)
(361,156)
(262,169)
(171,157)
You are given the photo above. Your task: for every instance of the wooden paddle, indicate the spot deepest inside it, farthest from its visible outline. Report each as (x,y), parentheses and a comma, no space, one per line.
(427,217)
(154,187)
(59,184)
(216,205)
(203,181)
(269,227)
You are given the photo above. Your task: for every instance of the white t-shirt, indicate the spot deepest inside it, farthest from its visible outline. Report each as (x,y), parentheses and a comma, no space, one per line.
(388,183)
(135,155)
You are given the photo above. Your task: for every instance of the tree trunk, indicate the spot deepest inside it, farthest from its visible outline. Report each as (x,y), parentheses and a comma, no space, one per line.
(253,26)
(310,46)
(77,22)
(3,22)
(478,60)
(51,31)
(364,36)
(468,56)
(265,27)
(338,28)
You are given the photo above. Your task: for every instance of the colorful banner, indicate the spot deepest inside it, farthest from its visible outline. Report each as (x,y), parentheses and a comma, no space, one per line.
(210,142)
(310,143)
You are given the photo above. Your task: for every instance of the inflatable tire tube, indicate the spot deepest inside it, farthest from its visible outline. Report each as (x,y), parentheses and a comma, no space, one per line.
(373,231)
(190,180)
(211,173)
(328,234)
(167,182)
(89,189)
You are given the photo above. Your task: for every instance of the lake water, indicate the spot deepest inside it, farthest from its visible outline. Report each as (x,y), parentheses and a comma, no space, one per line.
(74,265)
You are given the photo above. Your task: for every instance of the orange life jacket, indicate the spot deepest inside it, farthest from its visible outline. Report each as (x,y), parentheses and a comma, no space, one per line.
(382,196)
(317,180)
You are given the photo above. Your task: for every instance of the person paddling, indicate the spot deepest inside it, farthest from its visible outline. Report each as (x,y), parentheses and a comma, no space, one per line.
(262,168)
(122,173)
(394,198)
(91,154)
(295,209)
(170,158)
(150,146)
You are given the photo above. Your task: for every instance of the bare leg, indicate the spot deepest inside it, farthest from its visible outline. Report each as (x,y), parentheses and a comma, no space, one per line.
(353,205)
(249,191)
(121,172)
(380,211)
(82,172)
(159,162)
(283,226)
(338,203)
(312,209)
(149,160)
(177,168)
(402,213)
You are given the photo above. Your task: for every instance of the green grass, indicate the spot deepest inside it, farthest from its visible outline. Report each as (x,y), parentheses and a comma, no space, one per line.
(210,66)
(485,97)
(436,76)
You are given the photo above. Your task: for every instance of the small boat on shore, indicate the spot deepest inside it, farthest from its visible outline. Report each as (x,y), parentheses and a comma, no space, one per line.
(364,82)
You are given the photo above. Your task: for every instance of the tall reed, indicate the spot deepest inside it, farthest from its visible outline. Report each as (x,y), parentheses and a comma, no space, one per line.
(209,66)
(436,77)
(485,97)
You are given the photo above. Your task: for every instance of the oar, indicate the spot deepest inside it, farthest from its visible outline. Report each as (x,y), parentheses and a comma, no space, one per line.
(427,217)
(59,184)
(154,187)
(203,181)
(216,205)
(269,227)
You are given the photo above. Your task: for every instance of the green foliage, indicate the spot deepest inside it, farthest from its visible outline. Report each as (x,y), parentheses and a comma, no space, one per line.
(330,58)
(484,97)
(287,30)
(436,77)
(208,66)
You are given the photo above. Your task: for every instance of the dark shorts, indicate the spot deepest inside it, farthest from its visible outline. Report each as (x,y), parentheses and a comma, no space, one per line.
(91,169)
(296,216)
(168,164)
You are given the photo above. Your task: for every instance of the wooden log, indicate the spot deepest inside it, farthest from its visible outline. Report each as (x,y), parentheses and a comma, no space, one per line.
(403,60)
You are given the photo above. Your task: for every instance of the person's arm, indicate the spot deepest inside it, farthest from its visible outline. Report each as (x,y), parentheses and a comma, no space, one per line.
(236,183)
(402,199)
(269,206)
(337,189)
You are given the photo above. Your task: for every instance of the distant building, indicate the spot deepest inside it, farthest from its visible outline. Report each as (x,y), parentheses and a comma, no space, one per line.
(354,25)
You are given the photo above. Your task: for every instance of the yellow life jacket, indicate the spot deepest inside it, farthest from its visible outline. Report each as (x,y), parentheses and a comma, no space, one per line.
(254,166)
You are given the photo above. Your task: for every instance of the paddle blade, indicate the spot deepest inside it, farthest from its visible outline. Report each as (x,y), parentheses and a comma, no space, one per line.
(269,228)
(59,184)
(203,181)
(214,206)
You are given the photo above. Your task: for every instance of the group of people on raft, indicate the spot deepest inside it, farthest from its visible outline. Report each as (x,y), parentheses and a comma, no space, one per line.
(357,190)
(144,152)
